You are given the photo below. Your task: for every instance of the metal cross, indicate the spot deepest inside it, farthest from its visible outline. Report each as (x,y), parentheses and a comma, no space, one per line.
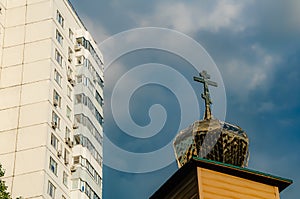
(204,78)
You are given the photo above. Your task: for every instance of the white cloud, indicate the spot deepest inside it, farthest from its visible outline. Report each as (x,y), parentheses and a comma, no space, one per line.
(189,18)
(96,29)
(245,76)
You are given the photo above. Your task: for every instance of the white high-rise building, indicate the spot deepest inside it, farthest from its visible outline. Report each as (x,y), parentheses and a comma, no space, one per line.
(51,97)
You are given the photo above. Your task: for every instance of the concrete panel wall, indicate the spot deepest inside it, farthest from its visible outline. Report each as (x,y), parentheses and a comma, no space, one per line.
(8,141)
(35,114)
(33,136)
(44,28)
(15,3)
(37,51)
(29,92)
(10,97)
(9,119)
(33,188)
(26,157)
(14,36)
(15,16)
(11,76)
(7,161)
(36,71)
(39,11)
(12,56)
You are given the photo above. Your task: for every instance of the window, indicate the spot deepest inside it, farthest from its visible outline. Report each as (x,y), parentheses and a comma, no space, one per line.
(83,120)
(57,77)
(51,190)
(85,142)
(70,55)
(53,166)
(99,118)
(86,62)
(71,34)
(68,133)
(66,156)
(85,163)
(82,186)
(79,60)
(56,99)
(69,92)
(88,190)
(80,41)
(87,45)
(68,114)
(101,83)
(85,188)
(54,141)
(79,98)
(99,99)
(58,57)
(79,79)
(70,74)
(65,179)
(59,37)
(76,159)
(60,19)
(55,119)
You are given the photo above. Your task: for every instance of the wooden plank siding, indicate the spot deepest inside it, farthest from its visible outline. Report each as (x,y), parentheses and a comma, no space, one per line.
(216,185)
(187,188)
(207,179)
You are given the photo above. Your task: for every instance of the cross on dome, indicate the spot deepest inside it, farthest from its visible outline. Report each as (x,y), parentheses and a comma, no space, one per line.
(204,79)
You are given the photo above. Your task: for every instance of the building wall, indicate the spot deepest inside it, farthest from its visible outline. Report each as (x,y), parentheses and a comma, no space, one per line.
(216,185)
(32,55)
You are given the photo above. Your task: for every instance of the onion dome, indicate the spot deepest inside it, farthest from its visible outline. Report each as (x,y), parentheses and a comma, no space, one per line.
(210,138)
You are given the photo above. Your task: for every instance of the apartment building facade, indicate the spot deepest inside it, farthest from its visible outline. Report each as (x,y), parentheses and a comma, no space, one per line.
(51,98)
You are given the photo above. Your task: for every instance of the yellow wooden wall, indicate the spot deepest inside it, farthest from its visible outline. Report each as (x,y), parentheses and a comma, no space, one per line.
(216,185)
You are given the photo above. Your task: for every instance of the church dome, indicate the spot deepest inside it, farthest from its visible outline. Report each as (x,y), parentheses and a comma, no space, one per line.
(214,140)
(210,138)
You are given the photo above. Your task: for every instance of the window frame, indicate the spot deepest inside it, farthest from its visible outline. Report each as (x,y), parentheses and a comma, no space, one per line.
(58,57)
(69,92)
(60,19)
(59,37)
(99,98)
(68,112)
(54,141)
(57,77)
(57,98)
(66,156)
(65,178)
(67,133)
(70,55)
(51,189)
(71,35)
(53,166)
(56,119)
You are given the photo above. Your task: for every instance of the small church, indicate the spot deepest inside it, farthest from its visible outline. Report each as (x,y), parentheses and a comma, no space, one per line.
(212,157)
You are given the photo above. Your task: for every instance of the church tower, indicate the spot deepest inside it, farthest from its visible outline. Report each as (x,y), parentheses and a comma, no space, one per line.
(212,157)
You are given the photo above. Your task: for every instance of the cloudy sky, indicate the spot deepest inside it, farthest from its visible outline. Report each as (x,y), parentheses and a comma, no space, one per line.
(256,47)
